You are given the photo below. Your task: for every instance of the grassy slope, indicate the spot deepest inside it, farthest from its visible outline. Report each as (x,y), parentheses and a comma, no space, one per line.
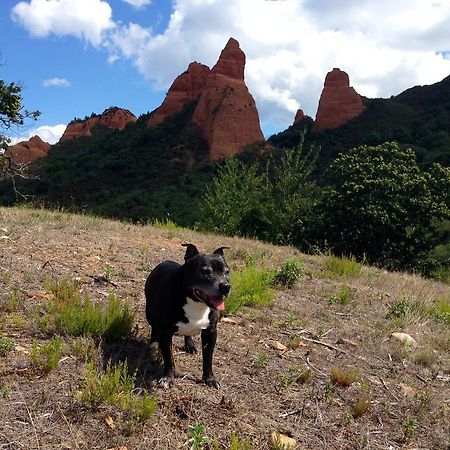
(41,411)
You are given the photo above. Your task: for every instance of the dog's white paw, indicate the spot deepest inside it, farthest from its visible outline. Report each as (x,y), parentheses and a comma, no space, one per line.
(165,382)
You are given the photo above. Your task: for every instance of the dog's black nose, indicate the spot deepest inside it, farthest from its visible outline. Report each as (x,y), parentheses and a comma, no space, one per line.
(224,288)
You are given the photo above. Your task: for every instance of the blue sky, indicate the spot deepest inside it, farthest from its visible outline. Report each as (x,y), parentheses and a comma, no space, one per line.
(75,57)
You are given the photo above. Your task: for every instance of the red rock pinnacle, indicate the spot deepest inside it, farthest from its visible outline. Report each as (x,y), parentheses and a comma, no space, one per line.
(27,151)
(186,88)
(226,111)
(114,118)
(338,103)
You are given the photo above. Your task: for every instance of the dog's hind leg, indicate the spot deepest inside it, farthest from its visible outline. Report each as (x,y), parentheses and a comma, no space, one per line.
(189,346)
(165,345)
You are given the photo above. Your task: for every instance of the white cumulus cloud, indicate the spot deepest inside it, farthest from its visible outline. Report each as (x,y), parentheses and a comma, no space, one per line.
(138,3)
(86,19)
(57,82)
(384,46)
(48,133)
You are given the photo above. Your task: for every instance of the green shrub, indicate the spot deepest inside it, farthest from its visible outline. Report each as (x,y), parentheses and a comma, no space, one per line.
(442,311)
(342,297)
(6,344)
(290,273)
(115,387)
(76,315)
(336,266)
(47,357)
(399,308)
(250,287)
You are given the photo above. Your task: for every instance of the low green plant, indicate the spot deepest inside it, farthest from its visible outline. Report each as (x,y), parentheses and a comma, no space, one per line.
(84,348)
(237,444)
(289,320)
(409,427)
(47,356)
(342,297)
(197,437)
(251,286)
(290,377)
(13,301)
(289,273)
(108,271)
(4,392)
(116,387)
(260,360)
(442,311)
(341,267)
(168,225)
(6,344)
(400,308)
(76,315)
(425,357)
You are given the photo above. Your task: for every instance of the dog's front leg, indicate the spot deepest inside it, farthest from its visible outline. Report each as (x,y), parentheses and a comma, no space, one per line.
(165,346)
(209,337)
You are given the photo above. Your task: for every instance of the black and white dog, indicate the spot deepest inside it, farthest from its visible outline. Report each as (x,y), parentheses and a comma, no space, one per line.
(184,300)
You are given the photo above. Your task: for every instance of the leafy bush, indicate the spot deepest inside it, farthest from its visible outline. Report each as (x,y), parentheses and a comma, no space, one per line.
(271,201)
(342,297)
(290,273)
(79,316)
(6,344)
(336,266)
(250,287)
(47,356)
(381,206)
(115,387)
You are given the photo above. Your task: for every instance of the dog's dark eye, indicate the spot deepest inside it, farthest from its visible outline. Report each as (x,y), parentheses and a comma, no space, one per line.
(206,270)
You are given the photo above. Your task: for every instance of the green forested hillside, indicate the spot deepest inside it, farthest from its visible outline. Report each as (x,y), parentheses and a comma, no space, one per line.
(138,173)
(418,118)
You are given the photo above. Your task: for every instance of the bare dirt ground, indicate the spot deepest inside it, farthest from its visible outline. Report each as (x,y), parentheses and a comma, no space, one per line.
(406,388)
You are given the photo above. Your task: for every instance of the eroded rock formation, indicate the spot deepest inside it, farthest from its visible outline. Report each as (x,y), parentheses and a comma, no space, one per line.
(27,151)
(186,88)
(299,116)
(338,103)
(226,111)
(114,118)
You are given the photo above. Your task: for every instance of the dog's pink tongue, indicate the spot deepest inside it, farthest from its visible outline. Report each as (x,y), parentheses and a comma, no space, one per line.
(218,303)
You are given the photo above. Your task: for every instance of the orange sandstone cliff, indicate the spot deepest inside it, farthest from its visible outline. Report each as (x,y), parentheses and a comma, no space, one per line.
(114,118)
(338,103)
(226,112)
(186,88)
(27,151)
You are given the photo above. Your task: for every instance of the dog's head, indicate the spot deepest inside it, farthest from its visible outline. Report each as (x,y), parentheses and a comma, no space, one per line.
(206,277)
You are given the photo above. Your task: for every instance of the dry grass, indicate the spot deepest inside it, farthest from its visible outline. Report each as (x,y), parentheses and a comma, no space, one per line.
(264,389)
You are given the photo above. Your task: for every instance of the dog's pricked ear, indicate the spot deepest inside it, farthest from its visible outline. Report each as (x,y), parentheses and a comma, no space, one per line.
(191,251)
(219,251)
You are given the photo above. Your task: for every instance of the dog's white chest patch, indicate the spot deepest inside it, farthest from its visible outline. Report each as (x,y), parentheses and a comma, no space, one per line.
(197,315)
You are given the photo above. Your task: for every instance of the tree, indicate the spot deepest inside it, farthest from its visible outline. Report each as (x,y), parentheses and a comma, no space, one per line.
(381,206)
(272,203)
(235,202)
(12,114)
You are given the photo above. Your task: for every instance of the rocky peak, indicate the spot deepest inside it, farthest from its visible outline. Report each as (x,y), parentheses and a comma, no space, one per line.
(338,103)
(226,111)
(231,62)
(114,118)
(299,116)
(186,88)
(27,151)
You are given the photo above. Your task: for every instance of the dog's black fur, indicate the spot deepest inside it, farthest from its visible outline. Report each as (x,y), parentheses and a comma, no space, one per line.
(176,293)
